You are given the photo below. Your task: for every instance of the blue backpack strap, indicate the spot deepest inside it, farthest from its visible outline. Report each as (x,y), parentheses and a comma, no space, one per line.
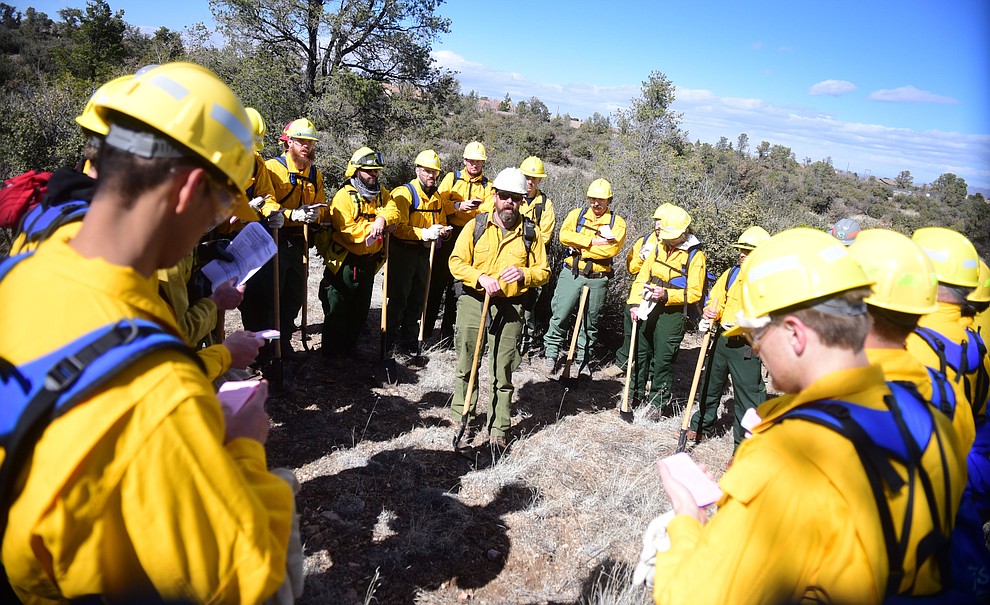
(943,395)
(902,432)
(11,262)
(42,221)
(38,392)
(733,274)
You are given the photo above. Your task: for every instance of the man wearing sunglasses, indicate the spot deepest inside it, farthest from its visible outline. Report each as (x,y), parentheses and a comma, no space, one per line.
(495,258)
(358,215)
(814,507)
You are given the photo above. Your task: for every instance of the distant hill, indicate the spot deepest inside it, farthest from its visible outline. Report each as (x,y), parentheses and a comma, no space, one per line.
(983,190)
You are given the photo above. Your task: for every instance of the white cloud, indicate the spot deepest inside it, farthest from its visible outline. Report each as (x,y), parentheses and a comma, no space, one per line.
(882,150)
(834,88)
(910,94)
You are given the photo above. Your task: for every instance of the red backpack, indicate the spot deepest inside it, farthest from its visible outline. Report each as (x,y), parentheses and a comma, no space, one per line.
(20,194)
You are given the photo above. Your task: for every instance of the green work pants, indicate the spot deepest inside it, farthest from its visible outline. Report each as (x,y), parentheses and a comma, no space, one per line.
(502,342)
(409,266)
(258,307)
(733,357)
(662,337)
(566,299)
(346,298)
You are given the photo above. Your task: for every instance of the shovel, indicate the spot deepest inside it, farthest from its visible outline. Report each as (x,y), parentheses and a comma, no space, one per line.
(625,412)
(702,354)
(566,372)
(277,362)
(419,360)
(474,370)
(303,335)
(385,369)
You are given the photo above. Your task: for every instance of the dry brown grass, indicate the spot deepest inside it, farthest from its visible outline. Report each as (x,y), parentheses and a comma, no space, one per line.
(391,514)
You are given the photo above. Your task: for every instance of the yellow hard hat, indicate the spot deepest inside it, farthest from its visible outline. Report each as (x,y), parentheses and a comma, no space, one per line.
(956,260)
(981,293)
(258,127)
(89,118)
(904,276)
(751,238)
(661,210)
(475,151)
(428,159)
(793,267)
(191,106)
(600,189)
(674,221)
(301,129)
(365,158)
(533,166)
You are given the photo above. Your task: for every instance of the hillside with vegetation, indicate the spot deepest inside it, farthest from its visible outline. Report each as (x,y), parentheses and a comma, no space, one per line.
(390,513)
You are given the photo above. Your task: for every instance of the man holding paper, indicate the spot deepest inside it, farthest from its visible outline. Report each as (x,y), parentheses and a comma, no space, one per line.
(814,508)
(353,250)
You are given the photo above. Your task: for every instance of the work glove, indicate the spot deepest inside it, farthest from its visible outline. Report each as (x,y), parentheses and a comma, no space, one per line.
(292,588)
(646,249)
(432,233)
(606,232)
(704,325)
(305,214)
(644,309)
(655,540)
(257,203)
(275,220)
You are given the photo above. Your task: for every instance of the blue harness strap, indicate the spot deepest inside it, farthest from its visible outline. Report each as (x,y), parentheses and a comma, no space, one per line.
(40,222)
(902,433)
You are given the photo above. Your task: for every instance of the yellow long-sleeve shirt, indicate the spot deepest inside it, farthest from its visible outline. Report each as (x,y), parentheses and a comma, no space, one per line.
(577,235)
(293,189)
(634,262)
(352,218)
(494,252)
(726,303)
(459,186)
(948,322)
(797,521)
(663,266)
(134,487)
(899,365)
(416,211)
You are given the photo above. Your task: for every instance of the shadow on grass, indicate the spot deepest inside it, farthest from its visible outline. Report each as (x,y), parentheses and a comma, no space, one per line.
(394,524)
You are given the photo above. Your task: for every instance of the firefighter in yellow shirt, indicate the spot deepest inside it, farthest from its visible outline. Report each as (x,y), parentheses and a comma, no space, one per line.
(672,278)
(462,193)
(144,489)
(594,237)
(732,354)
(503,256)
(421,224)
(355,250)
(829,539)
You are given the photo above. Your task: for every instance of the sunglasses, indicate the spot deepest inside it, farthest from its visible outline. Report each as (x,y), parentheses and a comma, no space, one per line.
(505,195)
(224,200)
(753,336)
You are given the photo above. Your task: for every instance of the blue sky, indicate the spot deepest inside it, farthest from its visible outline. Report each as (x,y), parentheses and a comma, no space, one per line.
(878,86)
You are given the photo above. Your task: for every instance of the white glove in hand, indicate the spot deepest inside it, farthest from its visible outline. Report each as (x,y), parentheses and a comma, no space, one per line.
(292,588)
(655,540)
(305,214)
(275,220)
(606,232)
(645,250)
(704,324)
(432,233)
(644,309)
(257,203)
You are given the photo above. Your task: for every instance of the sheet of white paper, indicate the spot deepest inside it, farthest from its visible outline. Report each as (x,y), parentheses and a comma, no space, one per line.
(251,249)
(233,395)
